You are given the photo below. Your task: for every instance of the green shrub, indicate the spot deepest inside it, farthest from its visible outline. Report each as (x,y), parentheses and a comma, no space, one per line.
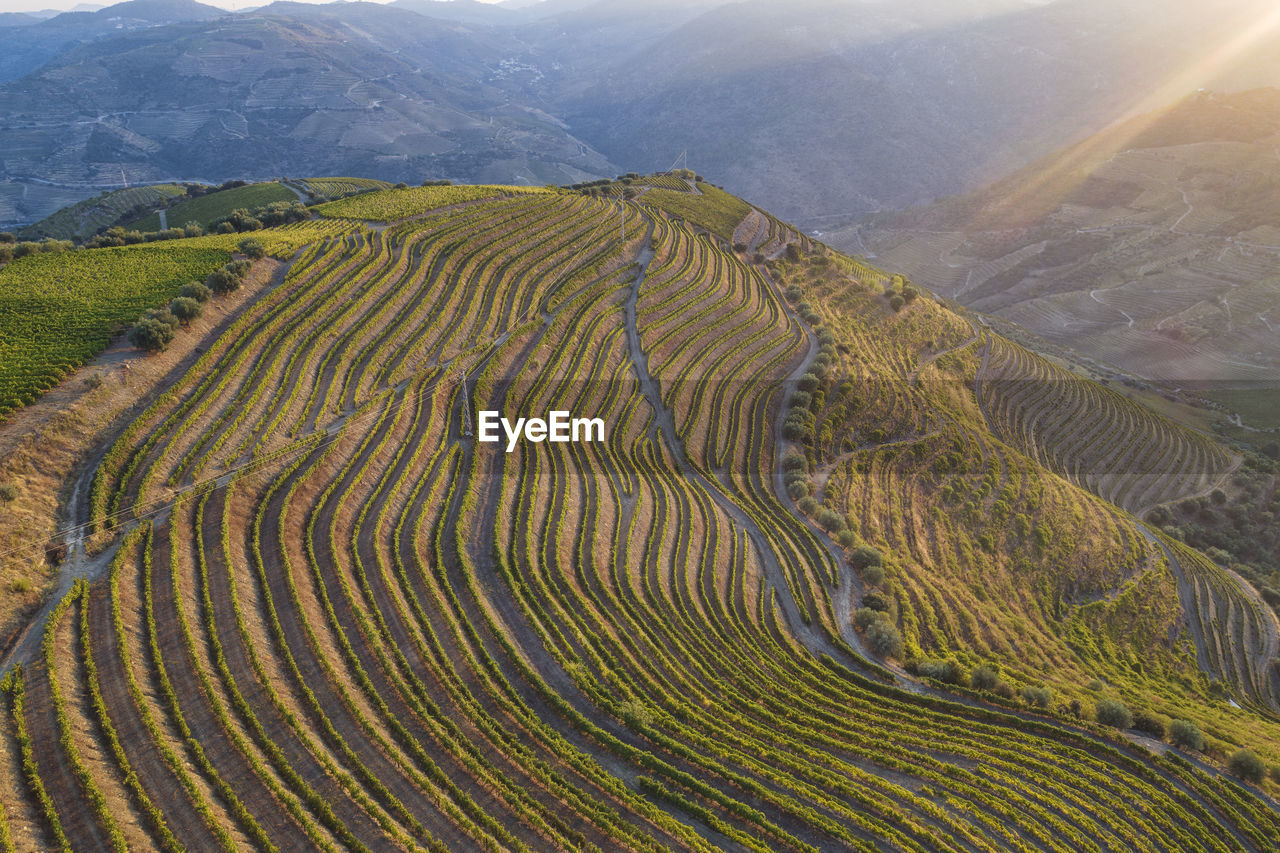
(252,248)
(865,555)
(875,601)
(1114,713)
(195,290)
(1246,764)
(151,334)
(1149,723)
(1037,697)
(1186,734)
(884,638)
(984,677)
(9,492)
(947,670)
(222,281)
(831,520)
(185,309)
(873,574)
(794,460)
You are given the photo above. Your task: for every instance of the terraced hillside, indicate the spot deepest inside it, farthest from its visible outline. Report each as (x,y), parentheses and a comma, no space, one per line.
(96,214)
(331,618)
(1151,246)
(1068,423)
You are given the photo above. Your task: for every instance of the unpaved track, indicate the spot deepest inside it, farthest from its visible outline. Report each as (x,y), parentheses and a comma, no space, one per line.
(664,423)
(79,563)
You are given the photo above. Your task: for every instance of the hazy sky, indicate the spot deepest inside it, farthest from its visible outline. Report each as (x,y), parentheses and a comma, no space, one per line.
(32,5)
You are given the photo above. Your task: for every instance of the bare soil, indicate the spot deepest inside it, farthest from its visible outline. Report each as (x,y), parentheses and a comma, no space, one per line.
(49,449)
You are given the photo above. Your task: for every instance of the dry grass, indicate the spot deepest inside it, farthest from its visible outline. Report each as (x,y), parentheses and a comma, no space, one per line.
(46,447)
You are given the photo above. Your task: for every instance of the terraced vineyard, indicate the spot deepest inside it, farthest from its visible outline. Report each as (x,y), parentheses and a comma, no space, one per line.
(400,204)
(335,188)
(333,619)
(1069,425)
(93,215)
(59,310)
(207,209)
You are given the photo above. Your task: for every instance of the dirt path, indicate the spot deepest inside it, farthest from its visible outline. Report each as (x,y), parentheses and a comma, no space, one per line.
(302,196)
(136,380)
(1185,592)
(665,426)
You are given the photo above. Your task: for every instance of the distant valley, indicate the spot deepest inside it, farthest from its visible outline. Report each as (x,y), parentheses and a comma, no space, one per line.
(1154,247)
(821,111)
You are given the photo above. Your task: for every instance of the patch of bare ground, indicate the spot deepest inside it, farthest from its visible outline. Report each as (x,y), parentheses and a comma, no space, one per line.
(49,449)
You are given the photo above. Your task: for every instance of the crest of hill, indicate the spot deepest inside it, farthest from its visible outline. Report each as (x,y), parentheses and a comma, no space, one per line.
(161,11)
(204,210)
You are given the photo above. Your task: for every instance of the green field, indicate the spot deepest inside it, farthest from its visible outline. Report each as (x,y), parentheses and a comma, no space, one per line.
(206,209)
(93,215)
(1258,407)
(385,205)
(58,311)
(716,210)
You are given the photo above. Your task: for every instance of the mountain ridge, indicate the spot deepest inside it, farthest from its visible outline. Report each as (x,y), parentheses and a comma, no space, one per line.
(891,105)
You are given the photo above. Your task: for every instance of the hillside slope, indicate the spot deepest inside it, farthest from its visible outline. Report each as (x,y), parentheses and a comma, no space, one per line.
(1151,247)
(333,616)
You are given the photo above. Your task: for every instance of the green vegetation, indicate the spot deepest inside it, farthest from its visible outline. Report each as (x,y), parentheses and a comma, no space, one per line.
(328,189)
(1258,406)
(1234,525)
(712,209)
(207,209)
(966,523)
(353,626)
(1186,734)
(96,214)
(391,204)
(1114,713)
(154,330)
(1095,436)
(1246,764)
(59,311)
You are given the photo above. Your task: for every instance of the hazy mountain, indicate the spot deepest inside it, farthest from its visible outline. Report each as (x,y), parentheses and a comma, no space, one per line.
(819,109)
(28,48)
(835,106)
(291,89)
(468,11)
(1154,245)
(17,19)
